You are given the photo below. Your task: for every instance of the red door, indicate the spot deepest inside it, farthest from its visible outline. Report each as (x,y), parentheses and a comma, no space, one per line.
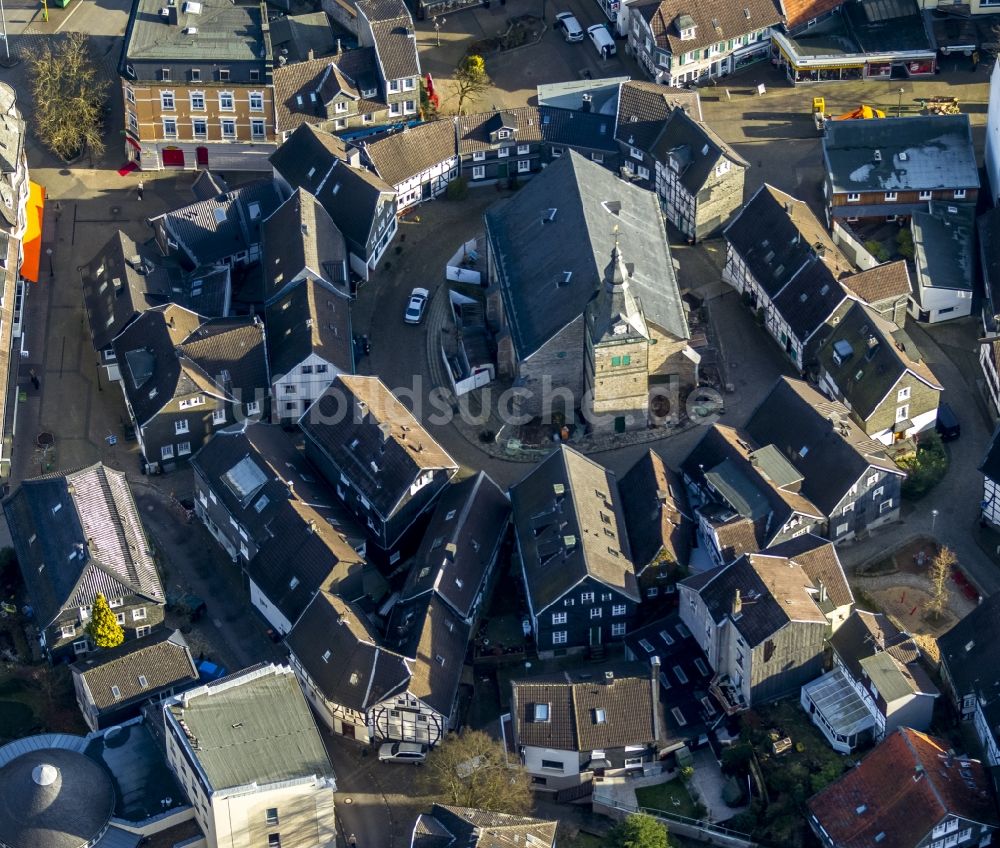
(173,157)
(201,156)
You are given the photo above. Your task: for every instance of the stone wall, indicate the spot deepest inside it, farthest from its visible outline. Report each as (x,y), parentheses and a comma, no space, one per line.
(719,198)
(552,377)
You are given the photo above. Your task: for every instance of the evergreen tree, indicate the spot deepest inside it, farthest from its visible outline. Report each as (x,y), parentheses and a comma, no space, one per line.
(103,629)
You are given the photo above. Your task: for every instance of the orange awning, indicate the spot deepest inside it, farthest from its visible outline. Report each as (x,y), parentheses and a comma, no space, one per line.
(32,241)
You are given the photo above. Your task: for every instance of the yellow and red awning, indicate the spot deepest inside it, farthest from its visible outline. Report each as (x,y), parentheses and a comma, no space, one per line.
(32,241)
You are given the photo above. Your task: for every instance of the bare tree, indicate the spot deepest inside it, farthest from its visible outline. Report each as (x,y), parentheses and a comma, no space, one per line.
(939,572)
(471,80)
(471,770)
(68,91)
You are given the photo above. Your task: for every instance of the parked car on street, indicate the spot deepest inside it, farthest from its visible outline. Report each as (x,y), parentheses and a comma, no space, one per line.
(415,306)
(604,44)
(402,752)
(947,423)
(567,22)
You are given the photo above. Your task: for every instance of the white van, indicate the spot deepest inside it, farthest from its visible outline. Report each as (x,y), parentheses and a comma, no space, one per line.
(603,42)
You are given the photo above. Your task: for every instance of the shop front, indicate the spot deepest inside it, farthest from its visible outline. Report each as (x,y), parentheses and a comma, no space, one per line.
(806,68)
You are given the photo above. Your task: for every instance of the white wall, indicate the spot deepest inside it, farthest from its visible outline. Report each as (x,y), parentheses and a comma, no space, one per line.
(306,386)
(933,300)
(992,155)
(268,610)
(533,762)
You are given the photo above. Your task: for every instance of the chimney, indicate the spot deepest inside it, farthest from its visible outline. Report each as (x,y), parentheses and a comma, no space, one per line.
(312,525)
(339,48)
(737,604)
(609,678)
(559,491)
(291,487)
(822,592)
(588,103)
(311,54)
(360,410)
(654,684)
(450,550)
(385,429)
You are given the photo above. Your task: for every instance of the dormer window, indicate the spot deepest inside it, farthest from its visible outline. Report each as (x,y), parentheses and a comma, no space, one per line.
(687,34)
(686,27)
(503,134)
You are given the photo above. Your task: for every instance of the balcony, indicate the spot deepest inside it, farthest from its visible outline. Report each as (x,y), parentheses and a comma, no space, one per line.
(727,694)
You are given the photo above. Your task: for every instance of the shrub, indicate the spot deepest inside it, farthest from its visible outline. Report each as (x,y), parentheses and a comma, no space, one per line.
(904,243)
(925,469)
(877,249)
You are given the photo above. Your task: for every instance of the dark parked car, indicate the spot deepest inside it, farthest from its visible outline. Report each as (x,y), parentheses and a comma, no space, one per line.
(947,423)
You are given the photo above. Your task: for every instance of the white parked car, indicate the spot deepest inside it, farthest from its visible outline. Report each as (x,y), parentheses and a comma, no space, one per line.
(603,42)
(572,30)
(415,306)
(402,752)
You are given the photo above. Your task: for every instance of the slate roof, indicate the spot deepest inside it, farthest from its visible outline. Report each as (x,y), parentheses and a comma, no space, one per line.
(304,536)
(695,147)
(315,82)
(163,660)
(459,544)
(942,244)
(401,454)
(971,650)
(907,785)
(575,128)
(401,155)
(689,708)
(819,437)
(654,503)
(126,278)
(300,236)
(210,231)
(629,702)
(84,528)
(534,253)
(881,364)
(169,352)
(715,21)
(818,558)
(776,235)
(990,466)
(314,160)
(298,34)
(548,518)
(309,319)
(883,282)
(724,457)
(225,32)
(342,655)
(938,154)
(644,106)
(474,130)
(252,727)
(463,826)
(775,591)
(435,640)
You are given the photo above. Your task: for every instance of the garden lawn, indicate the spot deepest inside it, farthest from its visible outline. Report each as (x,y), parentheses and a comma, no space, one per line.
(671,797)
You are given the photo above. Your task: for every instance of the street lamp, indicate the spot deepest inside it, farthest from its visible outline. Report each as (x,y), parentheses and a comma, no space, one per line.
(899,103)
(934,515)
(48,252)
(438,23)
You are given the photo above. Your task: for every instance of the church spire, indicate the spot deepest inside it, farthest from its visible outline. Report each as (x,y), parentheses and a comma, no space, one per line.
(616,274)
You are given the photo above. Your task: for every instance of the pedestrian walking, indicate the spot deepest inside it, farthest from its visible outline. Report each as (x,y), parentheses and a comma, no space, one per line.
(34,379)
(139,189)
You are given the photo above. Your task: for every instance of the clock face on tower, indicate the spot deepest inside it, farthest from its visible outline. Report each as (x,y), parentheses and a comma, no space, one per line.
(620,329)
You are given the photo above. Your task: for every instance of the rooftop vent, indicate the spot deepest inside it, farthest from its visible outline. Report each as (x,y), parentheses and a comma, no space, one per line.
(44,774)
(878,156)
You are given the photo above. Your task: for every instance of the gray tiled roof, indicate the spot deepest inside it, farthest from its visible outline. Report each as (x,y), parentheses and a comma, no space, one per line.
(77,534)
(695,147)
(300,236)
(212,230)
(821,440)
(255,727)
(124,279)
(298,34)
(355,441)
(169,351)
(644,106)
(628,702)
(971,649)
(714,21)
(396,47)
(309,319)
(226,31)
(398,156)
(534,253)
(882,353)
(163,660)
(459,543)
(474,130)
(938,154)
(774,592)
(342,655)
(552,528)
(471,828)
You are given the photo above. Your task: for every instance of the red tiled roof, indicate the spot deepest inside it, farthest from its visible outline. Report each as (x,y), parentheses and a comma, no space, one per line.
(902,789)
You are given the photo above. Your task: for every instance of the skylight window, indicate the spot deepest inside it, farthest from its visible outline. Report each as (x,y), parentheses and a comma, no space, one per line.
(116,692)
(219,214)
(600,716)
(541,712)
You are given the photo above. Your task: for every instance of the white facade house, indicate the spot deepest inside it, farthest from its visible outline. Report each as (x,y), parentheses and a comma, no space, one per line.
(296,389)
(429,183)
(989,355)
(991,157)
(275,786)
